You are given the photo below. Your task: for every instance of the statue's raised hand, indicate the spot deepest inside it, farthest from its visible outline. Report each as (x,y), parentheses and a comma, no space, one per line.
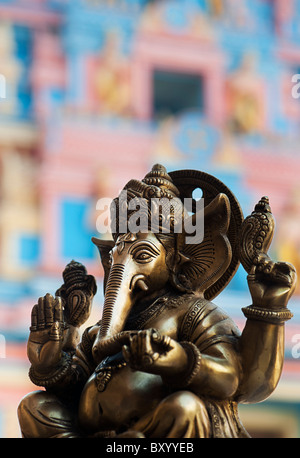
(271,284)
(46,337)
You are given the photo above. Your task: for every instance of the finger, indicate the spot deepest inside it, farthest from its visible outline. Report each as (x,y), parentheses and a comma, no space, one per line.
(284,273)
(268,267)
(139,349)
(146,342)
(286,268)
(163,341)
(166,344)
(251,275)
(34,319)
(58,310)
(49,315)
(293,274)
(126,353)
(156,336)
(135,350)
(134,344)
(40,314)
(147,353)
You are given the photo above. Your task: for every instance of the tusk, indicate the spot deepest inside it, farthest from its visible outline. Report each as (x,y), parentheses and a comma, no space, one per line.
(138,280)
(142,285)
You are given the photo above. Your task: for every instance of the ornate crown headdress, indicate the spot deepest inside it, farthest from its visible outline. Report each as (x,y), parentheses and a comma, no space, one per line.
(155,197)
(209,265)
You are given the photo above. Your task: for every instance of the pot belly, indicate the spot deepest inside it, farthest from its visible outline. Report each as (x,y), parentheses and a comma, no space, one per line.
(124,398)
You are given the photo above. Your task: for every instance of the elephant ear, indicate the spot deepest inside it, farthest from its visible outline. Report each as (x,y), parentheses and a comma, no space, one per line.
(213,261)
(209,259)
(104,247)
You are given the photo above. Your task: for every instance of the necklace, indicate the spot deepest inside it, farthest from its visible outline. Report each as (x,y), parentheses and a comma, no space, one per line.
(139,319)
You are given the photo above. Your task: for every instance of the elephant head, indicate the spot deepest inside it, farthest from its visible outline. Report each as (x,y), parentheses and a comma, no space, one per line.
(138,269)
(139,272)
(141,266)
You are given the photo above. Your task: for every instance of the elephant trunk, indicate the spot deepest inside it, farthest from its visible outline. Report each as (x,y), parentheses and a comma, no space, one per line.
(108,346)
(117,305)
(113,304)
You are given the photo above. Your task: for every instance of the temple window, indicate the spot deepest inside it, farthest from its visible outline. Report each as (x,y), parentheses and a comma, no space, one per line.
(76,229)
(175,93)
(29,249)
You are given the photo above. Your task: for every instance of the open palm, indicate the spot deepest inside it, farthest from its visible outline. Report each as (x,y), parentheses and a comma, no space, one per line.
(45,341)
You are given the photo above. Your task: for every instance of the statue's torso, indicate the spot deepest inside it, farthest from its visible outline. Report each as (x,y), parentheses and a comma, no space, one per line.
(115,395)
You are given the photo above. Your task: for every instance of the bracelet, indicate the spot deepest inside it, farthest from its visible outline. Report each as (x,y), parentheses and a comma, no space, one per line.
(55,376)
(269,316)
(194,359)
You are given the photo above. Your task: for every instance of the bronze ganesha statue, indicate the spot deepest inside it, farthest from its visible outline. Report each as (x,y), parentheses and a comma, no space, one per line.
(164,361)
